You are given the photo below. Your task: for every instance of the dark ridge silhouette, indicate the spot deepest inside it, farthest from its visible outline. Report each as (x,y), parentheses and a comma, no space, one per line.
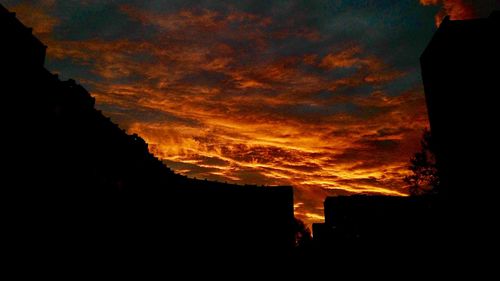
(78,187)
(461,72)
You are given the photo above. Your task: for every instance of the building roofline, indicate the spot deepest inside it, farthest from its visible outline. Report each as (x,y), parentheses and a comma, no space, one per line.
(448,23)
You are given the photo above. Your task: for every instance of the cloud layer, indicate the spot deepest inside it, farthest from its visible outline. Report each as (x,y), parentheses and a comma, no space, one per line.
(321,95)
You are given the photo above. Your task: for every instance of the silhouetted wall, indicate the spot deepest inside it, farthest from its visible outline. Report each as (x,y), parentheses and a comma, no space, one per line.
(460,71)
(79,185)
(358,221)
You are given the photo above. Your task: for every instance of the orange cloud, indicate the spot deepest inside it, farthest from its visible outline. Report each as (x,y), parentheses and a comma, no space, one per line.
(345,58)
(256,137)
(37,17)
(460,9)
(211,105)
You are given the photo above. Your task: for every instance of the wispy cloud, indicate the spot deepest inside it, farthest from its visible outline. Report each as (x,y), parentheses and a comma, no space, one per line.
(249,93)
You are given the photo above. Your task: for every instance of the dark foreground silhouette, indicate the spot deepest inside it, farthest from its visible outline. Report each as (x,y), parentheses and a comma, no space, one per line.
(78,186)
(461,72)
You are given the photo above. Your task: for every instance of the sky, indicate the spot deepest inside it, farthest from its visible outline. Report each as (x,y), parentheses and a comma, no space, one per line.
(322,95)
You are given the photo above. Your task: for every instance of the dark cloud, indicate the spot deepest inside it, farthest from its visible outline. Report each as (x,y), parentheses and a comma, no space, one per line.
(388,132)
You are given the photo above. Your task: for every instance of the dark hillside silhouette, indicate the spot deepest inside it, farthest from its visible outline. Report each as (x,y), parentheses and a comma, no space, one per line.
(77,184)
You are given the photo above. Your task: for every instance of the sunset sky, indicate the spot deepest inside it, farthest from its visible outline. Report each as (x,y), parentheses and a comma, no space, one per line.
(322,95)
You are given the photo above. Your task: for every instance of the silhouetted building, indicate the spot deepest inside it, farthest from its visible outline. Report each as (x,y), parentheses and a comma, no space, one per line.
(78,185)
(21,48)
(460,71)
(352,222)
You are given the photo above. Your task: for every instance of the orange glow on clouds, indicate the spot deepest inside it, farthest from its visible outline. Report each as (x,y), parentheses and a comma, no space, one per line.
(456,9)
(211,109)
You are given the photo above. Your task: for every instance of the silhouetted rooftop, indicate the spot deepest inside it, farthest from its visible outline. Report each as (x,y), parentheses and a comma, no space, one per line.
(457,34)
(72,170)
(18,39)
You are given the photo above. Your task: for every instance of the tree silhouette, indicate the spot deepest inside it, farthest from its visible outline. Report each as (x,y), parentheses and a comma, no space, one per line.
(424,178)
(303,237)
